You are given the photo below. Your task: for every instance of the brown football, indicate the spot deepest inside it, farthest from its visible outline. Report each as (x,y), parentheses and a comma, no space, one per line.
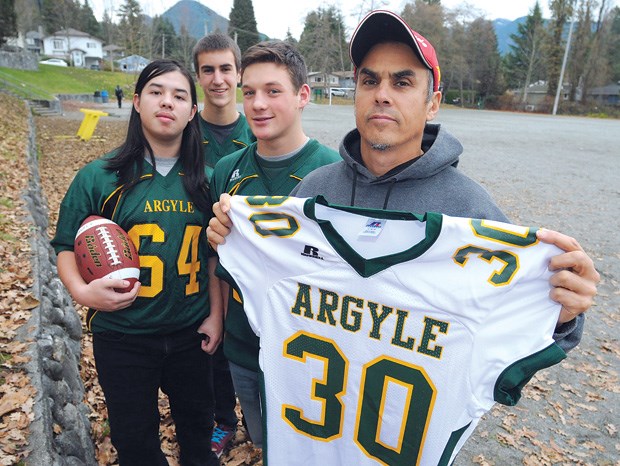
(104,250)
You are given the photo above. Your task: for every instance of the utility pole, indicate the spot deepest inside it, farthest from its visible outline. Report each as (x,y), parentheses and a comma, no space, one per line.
(163,46)
(559,89)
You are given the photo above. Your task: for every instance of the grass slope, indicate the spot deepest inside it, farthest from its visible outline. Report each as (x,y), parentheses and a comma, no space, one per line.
(58,80)
(50,80)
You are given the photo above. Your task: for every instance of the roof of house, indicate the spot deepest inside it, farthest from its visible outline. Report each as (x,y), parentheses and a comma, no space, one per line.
(72,33)
(134,59)
(344,74)
(112,48)
(610,89)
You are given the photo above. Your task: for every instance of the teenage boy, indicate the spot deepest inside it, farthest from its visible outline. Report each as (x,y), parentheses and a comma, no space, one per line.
(217,60)
(275,92)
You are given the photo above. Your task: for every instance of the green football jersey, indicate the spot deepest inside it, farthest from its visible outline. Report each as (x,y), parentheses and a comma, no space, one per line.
(241,173)
(240,138)
(168,233)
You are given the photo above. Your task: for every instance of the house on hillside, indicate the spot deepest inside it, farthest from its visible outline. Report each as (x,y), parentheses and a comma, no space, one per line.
(31,42)
(133,63)
(78,48)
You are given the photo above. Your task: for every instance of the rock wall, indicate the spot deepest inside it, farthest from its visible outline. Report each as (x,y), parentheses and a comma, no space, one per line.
(19,60)
(60,432)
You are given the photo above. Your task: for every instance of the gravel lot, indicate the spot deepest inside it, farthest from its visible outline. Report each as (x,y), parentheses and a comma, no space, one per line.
(556,172)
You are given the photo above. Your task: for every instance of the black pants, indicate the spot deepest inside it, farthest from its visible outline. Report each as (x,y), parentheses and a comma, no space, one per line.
(131,370)
(224,391)
(120,100)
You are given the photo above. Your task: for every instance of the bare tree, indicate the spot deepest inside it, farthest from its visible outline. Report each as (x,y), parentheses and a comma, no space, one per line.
(561,14)
(322,42)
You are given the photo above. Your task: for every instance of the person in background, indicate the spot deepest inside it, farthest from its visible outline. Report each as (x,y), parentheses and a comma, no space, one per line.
(224,130)
(118,92)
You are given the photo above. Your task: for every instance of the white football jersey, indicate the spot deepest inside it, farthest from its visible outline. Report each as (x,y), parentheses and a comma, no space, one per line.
(385,336)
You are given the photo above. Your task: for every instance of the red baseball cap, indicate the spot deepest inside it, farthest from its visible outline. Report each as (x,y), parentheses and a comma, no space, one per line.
(384,26)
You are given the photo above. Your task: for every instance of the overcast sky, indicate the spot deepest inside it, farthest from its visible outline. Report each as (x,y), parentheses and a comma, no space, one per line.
(274,17)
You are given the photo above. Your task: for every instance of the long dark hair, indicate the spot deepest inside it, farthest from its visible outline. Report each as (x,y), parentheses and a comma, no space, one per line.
(128,161)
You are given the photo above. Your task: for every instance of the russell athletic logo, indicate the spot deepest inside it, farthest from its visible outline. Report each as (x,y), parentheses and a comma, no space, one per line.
(235,175)
(311,251)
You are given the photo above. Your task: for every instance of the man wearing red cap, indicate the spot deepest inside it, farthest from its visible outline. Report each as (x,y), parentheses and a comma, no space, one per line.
(396,160)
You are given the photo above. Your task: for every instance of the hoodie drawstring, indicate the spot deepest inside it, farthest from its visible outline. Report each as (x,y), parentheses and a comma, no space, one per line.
(354,186)
(389,191)
(354,183)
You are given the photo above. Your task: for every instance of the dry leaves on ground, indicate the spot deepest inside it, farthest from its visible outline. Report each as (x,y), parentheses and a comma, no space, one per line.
(16,391)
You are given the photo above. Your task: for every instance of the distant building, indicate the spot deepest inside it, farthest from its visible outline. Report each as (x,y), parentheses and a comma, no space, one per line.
(338,83)
(133,63)
(345,79)
(322,80)
(78,48)
(536,95)
(112,53)
(606,95)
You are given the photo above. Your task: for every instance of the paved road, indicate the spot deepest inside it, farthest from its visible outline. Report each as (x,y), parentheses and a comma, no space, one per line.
(562,173)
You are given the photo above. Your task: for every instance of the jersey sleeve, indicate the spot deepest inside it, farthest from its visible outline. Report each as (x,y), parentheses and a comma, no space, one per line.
(516,338)
(81,200)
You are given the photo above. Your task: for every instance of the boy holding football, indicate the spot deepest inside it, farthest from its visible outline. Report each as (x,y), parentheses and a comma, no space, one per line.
(149,338)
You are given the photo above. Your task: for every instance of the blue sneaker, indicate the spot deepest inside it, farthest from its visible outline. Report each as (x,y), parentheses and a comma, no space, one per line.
(221,438)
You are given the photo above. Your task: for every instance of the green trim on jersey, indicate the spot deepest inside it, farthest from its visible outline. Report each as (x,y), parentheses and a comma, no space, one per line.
(451,445)
(240,173)
(168,233)
(240,138)
(512,379)
(368,267)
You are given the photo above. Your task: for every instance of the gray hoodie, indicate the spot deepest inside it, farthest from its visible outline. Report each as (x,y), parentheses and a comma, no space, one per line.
(428,183)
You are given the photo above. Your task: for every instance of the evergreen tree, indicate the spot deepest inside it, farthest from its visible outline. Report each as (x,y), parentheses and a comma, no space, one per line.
(561,14)
(59,15)
(130,26)
(242,25)
(290,39)
(524,64)
(165,39)
(87,21)
(322,42)
(483,58)
(8,20)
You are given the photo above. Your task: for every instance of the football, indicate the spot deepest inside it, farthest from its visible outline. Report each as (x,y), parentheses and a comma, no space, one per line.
(104,250)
